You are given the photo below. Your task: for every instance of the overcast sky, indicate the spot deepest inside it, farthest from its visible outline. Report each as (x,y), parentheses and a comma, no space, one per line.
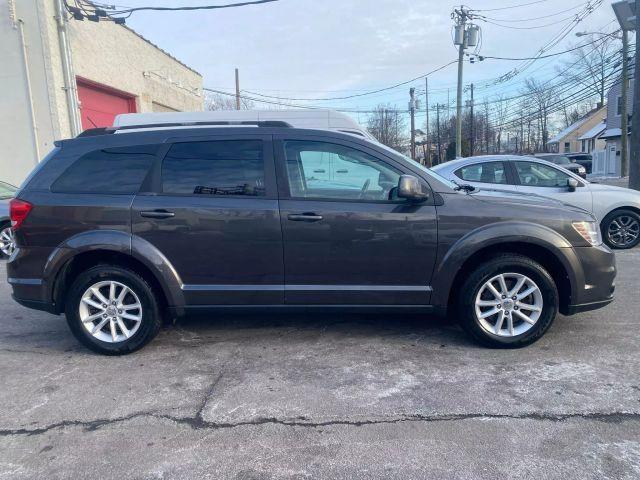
(329,48)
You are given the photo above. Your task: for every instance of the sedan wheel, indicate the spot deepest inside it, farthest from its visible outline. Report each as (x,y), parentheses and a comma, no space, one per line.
(7,241)
(622,229)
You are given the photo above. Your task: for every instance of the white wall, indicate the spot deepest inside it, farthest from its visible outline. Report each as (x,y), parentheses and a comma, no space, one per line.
(103,52)
(16,133)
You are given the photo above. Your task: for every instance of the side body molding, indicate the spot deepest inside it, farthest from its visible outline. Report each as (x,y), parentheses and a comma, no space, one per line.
(118,242)
(452,258)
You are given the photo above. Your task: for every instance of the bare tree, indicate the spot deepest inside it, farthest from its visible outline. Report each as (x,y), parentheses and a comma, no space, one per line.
(388,126)
(542,96)
(501,111)
(590,65)
(217,101)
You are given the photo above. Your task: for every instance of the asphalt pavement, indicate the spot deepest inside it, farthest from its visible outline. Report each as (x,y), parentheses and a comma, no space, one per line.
(301,396)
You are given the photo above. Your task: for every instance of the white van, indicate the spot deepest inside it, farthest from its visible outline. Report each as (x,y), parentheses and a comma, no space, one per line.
(315,119)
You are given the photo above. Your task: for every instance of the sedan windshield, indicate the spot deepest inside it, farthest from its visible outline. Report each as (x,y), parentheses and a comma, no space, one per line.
(7,190)
(557,159)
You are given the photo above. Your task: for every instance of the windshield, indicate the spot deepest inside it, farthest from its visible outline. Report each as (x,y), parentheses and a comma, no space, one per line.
(7,190)
(394,153)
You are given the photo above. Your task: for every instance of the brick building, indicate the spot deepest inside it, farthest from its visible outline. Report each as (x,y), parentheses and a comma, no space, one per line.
(49,91)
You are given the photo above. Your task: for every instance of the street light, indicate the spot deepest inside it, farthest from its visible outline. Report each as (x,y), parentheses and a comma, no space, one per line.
(624,146)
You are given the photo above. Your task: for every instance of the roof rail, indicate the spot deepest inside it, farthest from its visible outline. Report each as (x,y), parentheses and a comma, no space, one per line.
(109,130)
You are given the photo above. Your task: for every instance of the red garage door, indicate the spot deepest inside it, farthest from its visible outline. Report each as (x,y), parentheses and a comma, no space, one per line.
(100,104)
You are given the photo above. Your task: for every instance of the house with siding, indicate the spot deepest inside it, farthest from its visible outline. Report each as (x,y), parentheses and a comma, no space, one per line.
(572,139)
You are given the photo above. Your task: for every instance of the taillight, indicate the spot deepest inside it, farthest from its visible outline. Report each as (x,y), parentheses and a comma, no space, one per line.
(18,211)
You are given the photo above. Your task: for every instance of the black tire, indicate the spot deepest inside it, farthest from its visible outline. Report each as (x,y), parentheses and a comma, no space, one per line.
(617,215)
(151,317)
(507,263)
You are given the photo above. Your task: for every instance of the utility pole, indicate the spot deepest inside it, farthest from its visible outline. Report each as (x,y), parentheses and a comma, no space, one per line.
(465,36)
(412,109)
(624,129)
(472,142)
(237,90)
(634,167)
(427,155)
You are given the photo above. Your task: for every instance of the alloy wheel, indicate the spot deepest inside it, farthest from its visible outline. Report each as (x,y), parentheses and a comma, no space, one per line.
(110,311)
(7,241)
(623,231)
(508,304)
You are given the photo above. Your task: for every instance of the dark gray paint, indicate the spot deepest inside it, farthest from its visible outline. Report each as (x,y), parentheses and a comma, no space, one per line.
(232,251)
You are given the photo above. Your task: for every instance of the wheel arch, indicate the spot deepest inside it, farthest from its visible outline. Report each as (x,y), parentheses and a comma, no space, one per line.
(538,253)
(114,248)
(537,242)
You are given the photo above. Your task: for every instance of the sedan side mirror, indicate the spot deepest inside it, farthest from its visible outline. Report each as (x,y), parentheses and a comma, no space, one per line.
(572,184)
(409,187)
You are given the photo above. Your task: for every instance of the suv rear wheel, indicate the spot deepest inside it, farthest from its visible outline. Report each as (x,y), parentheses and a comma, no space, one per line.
(508,302)
(112,310)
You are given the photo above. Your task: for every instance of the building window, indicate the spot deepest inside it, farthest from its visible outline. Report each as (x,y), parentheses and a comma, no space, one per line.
(583,147)
(567,147)
(619,106)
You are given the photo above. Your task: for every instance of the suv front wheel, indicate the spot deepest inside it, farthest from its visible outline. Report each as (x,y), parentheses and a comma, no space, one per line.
(508,302)
(112,310)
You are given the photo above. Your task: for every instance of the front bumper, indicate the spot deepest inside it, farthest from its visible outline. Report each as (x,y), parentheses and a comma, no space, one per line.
(595,286)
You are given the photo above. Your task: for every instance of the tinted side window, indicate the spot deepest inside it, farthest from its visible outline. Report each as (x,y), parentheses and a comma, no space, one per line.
(489,172)
(226,167)
(118,170)
(327,170)
(539,175)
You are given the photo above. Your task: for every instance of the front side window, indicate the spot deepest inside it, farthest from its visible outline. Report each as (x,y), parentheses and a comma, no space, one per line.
(116,171)
(489,172)
(226,167)
(327,170)
(539,175)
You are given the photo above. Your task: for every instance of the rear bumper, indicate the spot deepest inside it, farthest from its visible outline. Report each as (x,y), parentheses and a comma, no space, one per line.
(35,304)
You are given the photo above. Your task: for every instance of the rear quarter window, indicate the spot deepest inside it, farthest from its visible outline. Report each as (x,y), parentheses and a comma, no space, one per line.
(118,171)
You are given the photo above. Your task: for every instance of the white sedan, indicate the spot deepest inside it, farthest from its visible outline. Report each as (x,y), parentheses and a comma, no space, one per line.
(618,209)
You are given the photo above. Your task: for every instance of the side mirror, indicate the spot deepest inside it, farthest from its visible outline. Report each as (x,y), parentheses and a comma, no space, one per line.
(409,187)
(572,184)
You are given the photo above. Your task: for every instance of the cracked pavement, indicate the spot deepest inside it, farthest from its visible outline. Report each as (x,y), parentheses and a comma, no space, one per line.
(324,396)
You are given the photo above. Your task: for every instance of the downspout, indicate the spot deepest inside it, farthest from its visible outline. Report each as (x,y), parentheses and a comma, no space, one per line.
(70,86)
(32,114)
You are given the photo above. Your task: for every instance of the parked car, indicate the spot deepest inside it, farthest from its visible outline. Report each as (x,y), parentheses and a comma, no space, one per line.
(7,243)
(564,162)
(584,159)
(118,230)
(617,209)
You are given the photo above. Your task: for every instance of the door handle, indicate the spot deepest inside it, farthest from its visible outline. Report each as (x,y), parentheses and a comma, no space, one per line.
(304,217)
(157,214)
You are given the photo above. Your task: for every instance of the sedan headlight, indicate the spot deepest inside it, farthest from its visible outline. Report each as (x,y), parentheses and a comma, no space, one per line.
(589,231)
(582,170)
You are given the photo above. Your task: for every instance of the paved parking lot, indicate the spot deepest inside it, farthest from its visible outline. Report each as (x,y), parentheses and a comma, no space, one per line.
(333,396)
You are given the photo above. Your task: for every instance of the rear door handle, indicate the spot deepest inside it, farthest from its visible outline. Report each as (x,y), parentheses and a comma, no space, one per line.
(304,217)
(157,214)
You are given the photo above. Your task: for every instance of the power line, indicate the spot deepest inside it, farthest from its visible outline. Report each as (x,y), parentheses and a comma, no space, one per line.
(442,67)
(95,11)
(509,7)
(509,20)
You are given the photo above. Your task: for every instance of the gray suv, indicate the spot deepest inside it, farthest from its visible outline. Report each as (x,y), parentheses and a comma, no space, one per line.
(121,229)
